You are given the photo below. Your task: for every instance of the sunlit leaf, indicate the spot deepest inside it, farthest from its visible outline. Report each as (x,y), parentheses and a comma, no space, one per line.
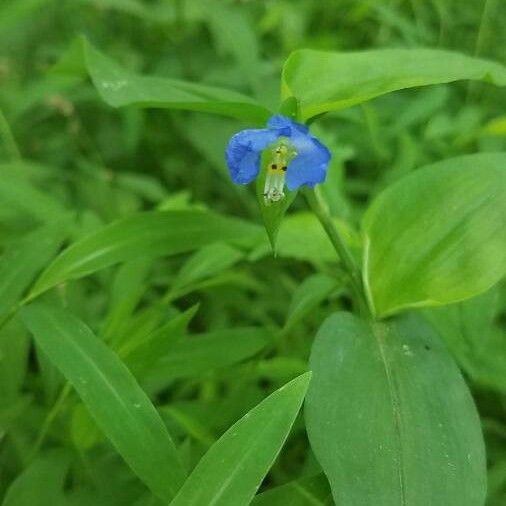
(329,81)
(437,236)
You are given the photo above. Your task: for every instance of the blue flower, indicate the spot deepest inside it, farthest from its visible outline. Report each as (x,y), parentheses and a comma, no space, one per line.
(295,157)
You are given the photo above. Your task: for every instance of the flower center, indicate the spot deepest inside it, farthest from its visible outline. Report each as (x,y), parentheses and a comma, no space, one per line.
(280,155)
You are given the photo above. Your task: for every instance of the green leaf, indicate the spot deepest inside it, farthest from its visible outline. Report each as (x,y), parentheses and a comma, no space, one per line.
(476,342)
(308,296)
(24,259)
(142,350)
(127,288)
(307,491)
(438,235)
(149,234)
(18,193)
(120,87)
(197,355)
(111,394)
(41,483)
(234,35)
(14,353)
(232,470)
(390,418)
(325,81)
(208,261)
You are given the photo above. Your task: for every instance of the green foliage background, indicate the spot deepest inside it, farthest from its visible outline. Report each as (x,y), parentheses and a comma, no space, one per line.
(226,323)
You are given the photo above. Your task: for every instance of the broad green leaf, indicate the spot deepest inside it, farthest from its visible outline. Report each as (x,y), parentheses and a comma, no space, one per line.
(24,259)
(149,234)
(308,296)
(390,418)
(197,355)
(120,87)
(111,394)
(307,491)
(232,470)
(437,236)
(329,81)
(477,344)
(41,483)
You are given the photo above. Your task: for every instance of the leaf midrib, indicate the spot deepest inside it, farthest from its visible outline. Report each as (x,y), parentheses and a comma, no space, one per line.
(396,413)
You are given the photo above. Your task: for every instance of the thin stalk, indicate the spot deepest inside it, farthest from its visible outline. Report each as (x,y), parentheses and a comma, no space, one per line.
(320,209)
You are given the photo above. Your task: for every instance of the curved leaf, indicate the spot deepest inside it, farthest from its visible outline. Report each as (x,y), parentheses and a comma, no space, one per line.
(329,81)
(120,87)
(149,234)
(437,236)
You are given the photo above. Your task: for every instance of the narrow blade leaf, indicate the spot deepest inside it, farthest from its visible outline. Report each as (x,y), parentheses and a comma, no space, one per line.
(119,406)
(119,87)
(149,234)
(232,470)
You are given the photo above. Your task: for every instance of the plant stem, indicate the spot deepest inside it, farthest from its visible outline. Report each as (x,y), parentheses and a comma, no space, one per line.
(318,206)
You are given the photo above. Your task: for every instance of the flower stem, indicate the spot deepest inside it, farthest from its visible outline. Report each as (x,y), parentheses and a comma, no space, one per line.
(318,206)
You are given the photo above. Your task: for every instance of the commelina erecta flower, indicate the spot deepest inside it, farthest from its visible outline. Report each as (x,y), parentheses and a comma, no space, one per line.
(295,157)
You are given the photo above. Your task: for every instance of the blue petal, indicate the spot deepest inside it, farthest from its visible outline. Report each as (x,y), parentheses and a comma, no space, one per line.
(244,151)
(289,126)
(310,165)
